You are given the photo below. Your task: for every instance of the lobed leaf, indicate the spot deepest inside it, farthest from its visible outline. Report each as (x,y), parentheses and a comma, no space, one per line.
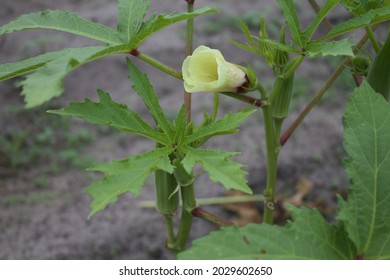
(226,125)
(371,17)
(335,48)
(66,22)
(109,113)
(128,175)
(47,81)
(14,69)
(130,16)
(308,236)
(219,167)
(366,213)
(290,15)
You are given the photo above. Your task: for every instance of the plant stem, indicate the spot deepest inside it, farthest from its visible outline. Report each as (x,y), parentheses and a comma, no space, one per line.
(201,213)
(189,44)
(372,39)
(272,158)
(286,135)
(157,64)
(247,99)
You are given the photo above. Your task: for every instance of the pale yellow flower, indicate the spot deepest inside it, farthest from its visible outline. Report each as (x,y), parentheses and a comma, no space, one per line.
(207,70)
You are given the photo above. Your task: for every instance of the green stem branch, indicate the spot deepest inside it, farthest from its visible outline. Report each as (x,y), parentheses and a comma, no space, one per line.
(293,66)
(244,98)
(157,64)
(372,39)
(189,45)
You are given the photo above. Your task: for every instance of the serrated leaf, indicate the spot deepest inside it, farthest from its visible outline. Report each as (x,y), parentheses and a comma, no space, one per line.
(47,81)
(276,45)
(218,166)
(226,125)
(14,69)
(246,31)
(158,22)
(130,16)
(109,113)
(128,175)
(290,15)
(66,22)
(357,7)
(144,89)
(342,47)
(307,237)
(322,13)
(366,214)
(180,126)
(371,17)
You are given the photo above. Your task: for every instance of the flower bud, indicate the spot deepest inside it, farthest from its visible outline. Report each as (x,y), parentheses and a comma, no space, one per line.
(360,65)
(207,70)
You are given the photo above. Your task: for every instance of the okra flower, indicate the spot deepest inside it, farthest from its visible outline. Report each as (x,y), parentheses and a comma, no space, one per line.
(207,70)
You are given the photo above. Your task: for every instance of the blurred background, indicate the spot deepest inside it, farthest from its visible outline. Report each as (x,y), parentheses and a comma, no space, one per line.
(43,157)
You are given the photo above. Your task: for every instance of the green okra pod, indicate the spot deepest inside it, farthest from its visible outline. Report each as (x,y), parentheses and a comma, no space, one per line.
(167,195)
(281,95)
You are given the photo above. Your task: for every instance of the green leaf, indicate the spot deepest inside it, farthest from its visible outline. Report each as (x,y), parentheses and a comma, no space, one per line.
(371,17)
(144,89)
(226,125)
(342,47)
(47,81)
(366,214)
(130,16)
(357,7)
(290,15)
(14,69)
(180,126)
(66,22)
(308,236)
(277,45)
(128,175)
(158,22)
(322,13)
(247,32)
(110,113)
(219,167)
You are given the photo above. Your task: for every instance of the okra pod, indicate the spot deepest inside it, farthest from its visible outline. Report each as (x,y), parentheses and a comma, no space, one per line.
(281,95)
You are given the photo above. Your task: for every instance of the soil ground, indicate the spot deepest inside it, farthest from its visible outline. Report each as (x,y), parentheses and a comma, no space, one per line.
(43,210)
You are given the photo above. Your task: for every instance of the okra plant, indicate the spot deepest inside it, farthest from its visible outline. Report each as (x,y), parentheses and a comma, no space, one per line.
(362,224)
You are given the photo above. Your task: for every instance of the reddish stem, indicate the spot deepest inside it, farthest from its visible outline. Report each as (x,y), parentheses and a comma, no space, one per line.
(200,213)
